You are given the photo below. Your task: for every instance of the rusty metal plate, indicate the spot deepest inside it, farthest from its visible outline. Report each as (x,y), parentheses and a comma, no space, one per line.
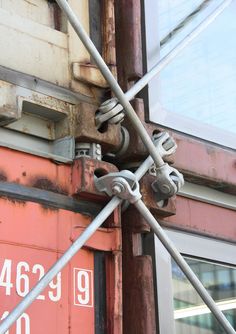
(32,239)
(86,130)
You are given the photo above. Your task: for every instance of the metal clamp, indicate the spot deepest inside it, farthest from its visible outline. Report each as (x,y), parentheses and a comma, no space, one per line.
(110,111)
(123,184)
(169,181)
(164,143)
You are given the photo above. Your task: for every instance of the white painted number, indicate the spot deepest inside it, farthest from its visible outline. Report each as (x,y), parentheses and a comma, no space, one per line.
(24,318)
(5,277)
(83,287)
(40,269)
(23,275)
(57,287)
(22,322)
(22,280)
(5,314)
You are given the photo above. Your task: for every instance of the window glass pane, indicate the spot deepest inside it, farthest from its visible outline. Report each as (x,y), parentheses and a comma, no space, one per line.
(191,315)
(197,91)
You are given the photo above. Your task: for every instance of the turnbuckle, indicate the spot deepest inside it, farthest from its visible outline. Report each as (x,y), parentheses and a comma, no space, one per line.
(168,179)
(168,182)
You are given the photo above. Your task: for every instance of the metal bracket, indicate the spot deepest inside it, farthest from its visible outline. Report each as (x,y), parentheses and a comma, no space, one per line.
(123,184)
(92,150)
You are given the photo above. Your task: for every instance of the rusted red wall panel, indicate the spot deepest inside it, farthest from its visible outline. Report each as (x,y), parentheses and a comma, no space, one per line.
(212,165)
(34,171)
(36,236)
(31,241)
(204,218)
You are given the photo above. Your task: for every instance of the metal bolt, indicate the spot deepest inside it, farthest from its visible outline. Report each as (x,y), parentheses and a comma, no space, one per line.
(117,188)
(165,188)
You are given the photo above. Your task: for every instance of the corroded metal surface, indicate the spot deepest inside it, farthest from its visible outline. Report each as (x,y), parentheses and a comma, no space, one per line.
(36,233)
(203,218)
(128,42)
(163,208)
(84,171)
(86,130)
(138,287)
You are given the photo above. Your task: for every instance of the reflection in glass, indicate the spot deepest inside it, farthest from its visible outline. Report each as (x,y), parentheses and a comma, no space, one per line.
(197,91)
(191,314)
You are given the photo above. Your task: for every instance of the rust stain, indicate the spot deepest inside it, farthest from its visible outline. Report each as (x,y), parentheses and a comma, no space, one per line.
(13,200)
(3,176)
(48,208)
(46,184)
(30,3)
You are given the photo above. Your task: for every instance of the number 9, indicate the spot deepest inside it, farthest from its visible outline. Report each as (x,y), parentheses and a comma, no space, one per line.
(83,287)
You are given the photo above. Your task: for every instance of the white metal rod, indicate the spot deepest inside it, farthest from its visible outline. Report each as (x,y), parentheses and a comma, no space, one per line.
(173,251)
(137,124)
(139,85)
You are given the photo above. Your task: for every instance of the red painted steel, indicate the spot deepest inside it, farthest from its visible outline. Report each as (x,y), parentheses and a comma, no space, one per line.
(33,237)
(212,164)
(204,218)
(34,171)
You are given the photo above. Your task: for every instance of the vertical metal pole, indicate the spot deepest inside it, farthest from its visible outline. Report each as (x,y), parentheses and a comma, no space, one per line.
(168,244)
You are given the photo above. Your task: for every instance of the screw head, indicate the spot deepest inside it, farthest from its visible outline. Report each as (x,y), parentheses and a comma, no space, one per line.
(117,188)
(165,188)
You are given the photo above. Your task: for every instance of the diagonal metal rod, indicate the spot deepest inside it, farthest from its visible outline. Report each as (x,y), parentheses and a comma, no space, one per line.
(137,124)
(139,85)
(173,251)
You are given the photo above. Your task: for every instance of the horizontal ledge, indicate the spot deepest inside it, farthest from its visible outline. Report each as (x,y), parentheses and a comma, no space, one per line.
(41,86)
(208,195)
(48,198)
(33,29)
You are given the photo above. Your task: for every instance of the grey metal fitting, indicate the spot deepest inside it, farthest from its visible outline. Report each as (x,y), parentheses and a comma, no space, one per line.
(124,144)
(122,184)
(110,111)
(169,181)
(164,143)
(92,150)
